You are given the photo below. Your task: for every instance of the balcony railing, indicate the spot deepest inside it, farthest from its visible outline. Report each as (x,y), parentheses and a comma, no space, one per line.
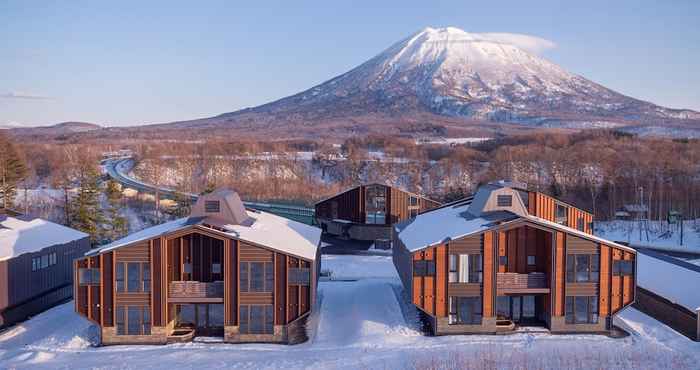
(510,282)
(195,289)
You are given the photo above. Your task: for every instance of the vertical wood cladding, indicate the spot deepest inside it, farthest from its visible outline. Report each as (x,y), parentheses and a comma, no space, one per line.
(544,206)
(230,282)
(107,283)
(489,273)
(430,292)
(559,274)
(157,294)
(81,292)
(605,274)
(94,296)
(280,288)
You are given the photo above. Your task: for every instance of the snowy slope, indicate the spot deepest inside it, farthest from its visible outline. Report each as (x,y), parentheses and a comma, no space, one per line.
(359,325)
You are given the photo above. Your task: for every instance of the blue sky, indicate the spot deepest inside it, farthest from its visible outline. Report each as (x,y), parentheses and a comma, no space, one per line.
(125,63)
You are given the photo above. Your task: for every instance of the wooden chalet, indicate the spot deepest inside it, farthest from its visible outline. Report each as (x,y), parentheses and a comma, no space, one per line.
(366,212)
(507,257)
(228,272)
(36,265)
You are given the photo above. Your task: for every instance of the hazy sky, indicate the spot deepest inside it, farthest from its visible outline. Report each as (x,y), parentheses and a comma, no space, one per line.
(124,63)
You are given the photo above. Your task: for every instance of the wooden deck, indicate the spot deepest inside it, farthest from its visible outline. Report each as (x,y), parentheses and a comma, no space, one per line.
(195,291)
(514,283)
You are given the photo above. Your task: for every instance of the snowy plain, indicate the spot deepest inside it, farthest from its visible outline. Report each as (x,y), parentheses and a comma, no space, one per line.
(361,322)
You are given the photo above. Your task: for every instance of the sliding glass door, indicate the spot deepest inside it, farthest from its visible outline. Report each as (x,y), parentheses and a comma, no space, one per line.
(205,319)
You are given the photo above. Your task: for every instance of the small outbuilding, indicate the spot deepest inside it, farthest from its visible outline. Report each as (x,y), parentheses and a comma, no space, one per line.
(36,265)
(366,212)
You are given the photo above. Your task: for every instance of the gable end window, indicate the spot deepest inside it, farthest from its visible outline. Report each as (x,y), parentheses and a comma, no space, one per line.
(582,268)
(212,206)
(504,200)
(133,277)
(256,276)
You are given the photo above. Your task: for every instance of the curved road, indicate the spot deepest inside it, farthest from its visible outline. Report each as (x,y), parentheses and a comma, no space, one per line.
(118,169)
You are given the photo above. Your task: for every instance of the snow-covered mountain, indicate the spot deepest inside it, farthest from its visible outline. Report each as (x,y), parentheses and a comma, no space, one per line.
(450,73)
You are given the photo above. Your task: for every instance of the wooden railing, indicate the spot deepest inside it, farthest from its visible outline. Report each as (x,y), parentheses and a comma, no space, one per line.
(196,289)
(511,281)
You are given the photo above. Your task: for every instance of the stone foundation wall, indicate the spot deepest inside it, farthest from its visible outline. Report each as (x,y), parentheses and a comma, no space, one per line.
(159,335)
(232,335)
(488,326)
(558,325)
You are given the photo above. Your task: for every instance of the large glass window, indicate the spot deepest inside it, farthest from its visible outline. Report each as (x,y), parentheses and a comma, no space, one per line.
(133,320)
(119,277)
(299,276)
(133,277)
(256,276)
(581,310)
(424,268)
(375,205)
(257,319)
(582,268)
(465,310)
(623,268)
(133,271)
(465,268)
(89,276)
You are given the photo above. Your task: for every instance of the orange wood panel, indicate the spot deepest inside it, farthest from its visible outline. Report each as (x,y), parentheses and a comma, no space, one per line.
(429,295)
(502,249)
(522,249)
(605,272)
(441,281)
(417,291)
(559,275)
(627,283)
(489,275)
(512,250)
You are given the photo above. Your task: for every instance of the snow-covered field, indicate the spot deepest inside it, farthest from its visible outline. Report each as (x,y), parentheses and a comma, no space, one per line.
(361,323)
(659,235)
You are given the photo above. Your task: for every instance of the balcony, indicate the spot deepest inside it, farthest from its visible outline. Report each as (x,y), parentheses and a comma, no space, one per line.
(195,292)
(514,283)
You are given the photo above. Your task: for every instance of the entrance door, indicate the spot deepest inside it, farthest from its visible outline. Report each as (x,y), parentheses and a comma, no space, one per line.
(519,309)
(205,319)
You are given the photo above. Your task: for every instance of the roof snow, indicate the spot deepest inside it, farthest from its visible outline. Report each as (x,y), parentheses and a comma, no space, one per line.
(268,230)
(19,236)
(669,279)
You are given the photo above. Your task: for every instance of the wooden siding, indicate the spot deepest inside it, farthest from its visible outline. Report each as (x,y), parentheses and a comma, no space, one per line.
(489,285)
(157,283)
(544,206)
(107,285)
(558,293)
(605,275)
(576,245)
(280,288)
(441,270)
(230,285)
(430,292)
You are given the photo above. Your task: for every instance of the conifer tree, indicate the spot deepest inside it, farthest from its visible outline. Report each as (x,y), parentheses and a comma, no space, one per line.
(12,171)
(118,226)
(86,213)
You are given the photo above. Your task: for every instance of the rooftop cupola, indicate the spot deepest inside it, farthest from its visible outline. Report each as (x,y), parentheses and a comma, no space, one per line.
(223,206)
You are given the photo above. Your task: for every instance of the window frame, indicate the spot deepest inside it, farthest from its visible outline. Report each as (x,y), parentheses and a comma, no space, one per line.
(454,314)
(572,315)
(137,315)
(246,281)
(592,268)
(504,200)
(212,206)
(299,276)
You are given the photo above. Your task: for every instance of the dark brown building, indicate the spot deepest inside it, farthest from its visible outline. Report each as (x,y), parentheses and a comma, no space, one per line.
(366,212)
(505,258)
(36,265)
(228,272)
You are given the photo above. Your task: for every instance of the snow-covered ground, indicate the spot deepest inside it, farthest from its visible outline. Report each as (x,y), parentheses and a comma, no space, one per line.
(361,323)
(659,235)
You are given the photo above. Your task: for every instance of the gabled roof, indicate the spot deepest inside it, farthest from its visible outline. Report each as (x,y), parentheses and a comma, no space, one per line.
(265,229)
(22,235)
(468,217)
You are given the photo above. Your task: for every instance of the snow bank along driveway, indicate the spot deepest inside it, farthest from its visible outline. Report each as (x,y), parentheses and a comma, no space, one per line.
(359,324)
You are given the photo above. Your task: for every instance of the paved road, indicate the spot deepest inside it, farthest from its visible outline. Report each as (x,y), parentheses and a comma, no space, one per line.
(118,170)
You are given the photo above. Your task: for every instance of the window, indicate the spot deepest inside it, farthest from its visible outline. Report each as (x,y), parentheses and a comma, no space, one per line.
(256,319)
(581,310)
(562,215)
(413,201)
(89,276)
(531,260)
(133,277)
(299,276)
(52,259)
(45,261)
(503,260)
(423,268)
(215,268)
(580,224)
(121,319)
(120,277)
(35,264)
(582,268)
(256,277)
(212,206)
(504,200)
(623,268)
(465,268)
(375,204)
(133,320)
(464,310)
